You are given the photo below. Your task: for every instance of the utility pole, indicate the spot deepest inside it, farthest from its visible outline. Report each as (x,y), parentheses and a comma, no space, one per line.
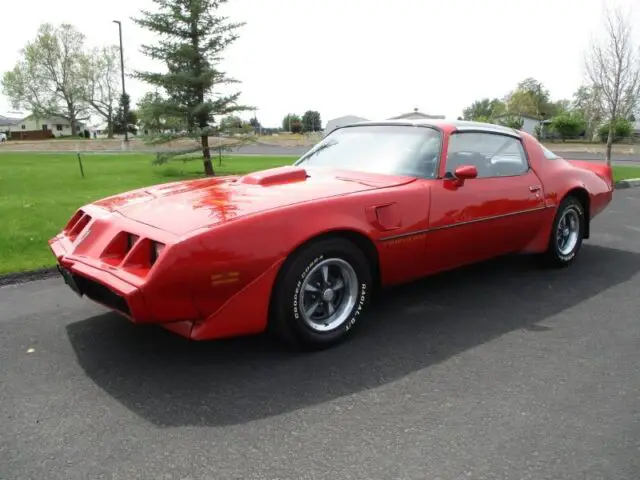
(125,112)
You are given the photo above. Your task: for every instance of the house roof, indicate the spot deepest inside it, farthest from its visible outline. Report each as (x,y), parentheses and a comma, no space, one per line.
(346,117)
(341,121)
(522,115)
(8,120)
(416,114)
(57,115)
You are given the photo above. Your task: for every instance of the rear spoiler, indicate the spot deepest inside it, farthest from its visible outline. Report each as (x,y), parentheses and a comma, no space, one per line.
(603,170)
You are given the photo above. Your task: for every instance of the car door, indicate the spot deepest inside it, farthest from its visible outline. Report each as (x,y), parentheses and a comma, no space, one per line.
(498,212)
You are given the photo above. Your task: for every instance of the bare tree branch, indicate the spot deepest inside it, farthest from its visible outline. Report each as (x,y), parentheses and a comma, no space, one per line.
(100,73)
(613,68)
(46,80)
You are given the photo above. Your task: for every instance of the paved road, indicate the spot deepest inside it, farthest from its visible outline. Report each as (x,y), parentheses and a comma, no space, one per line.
(271,150)
(503,372)
(298,151)
(600,157)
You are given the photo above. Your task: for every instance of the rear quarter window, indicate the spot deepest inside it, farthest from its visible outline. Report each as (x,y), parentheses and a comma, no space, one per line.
(548,154)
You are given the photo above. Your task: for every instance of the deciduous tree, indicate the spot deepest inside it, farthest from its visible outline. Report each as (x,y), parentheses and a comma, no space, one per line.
(586,102)
(149,112)
(48,79)
(480,110)
(613,67)
(311,121)
(292,123)
(532,98)
(100,71)
(231,124)
(622,128)
(511,121)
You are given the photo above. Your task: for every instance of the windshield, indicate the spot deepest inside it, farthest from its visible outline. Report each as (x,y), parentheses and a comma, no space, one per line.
(387,149)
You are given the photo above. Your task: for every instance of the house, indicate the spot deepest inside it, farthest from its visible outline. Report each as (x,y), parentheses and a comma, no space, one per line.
(341,122)
(7,123)
(417,115)
(58,125)
(529,123)
(33,126)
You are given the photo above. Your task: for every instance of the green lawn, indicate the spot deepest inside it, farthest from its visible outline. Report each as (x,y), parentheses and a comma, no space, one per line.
(39,192)
(623,172)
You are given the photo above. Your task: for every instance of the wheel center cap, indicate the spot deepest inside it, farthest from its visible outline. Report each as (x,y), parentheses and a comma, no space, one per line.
(327,295)
(566,232)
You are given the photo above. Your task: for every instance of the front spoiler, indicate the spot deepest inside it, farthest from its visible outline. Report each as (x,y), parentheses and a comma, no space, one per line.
(95,285)
(67,276)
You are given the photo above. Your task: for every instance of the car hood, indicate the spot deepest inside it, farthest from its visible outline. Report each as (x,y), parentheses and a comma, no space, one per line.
(181,207)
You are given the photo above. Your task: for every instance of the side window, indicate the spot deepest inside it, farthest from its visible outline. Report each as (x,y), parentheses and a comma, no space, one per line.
(548,154)
(493,154)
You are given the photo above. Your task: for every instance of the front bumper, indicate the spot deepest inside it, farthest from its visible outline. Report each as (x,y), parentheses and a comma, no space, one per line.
(88,275)
(106,290)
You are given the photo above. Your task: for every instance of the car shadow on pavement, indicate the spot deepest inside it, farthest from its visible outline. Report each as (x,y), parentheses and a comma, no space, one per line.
(170,381)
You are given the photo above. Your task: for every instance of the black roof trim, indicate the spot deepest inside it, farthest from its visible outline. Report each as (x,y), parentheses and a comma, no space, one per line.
(390,123)
(467,126)
(437,124)
(495,131)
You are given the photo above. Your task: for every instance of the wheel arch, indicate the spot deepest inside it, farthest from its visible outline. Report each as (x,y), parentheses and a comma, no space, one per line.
(582,195)
(359,239)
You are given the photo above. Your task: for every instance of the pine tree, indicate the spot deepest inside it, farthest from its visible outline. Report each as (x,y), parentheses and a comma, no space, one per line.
(122,120)
(191,39)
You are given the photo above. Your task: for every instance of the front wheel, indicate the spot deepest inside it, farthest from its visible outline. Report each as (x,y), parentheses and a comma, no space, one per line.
(567,233)
(321,295)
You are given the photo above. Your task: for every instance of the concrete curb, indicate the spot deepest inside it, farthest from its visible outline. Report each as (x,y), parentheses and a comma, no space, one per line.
(44,273)
(29,276)
(628,183)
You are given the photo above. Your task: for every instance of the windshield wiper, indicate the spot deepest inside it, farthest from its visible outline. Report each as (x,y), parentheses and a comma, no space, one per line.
(322,147)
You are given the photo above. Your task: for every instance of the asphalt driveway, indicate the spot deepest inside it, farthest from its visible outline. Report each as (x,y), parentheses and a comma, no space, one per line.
(504,370)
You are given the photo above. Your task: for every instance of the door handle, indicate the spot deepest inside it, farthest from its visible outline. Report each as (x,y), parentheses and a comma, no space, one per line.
(535,188)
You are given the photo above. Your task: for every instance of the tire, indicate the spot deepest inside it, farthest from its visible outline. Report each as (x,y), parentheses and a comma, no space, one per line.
(570,210)
(303,272)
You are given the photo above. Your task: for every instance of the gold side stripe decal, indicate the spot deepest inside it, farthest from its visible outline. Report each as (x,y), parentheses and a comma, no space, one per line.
(224,278)
(460,224)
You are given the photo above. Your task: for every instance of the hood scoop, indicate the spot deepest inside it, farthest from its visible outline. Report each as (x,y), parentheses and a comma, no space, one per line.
(275,176)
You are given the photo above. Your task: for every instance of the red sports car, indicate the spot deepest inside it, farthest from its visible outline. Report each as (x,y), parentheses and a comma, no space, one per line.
(300,250)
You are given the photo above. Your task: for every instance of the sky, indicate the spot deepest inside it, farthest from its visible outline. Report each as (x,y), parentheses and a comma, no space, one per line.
(370,58)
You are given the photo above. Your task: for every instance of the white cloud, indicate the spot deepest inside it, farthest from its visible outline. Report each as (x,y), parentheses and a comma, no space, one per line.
(372,58)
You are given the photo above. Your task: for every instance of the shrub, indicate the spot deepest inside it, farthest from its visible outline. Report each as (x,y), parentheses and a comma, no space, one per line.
(622,129)
(568,125)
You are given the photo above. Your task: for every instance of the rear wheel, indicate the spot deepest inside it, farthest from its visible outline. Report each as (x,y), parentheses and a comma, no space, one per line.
(321,294)
(567,233)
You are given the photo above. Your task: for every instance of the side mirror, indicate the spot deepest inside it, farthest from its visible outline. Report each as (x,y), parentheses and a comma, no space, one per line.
(465,172)
(462,173)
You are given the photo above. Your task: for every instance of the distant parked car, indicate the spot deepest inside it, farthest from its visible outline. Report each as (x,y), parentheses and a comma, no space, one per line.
(3,137)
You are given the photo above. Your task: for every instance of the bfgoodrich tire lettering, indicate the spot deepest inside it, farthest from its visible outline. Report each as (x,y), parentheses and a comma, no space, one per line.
(330,278)
(567,233)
